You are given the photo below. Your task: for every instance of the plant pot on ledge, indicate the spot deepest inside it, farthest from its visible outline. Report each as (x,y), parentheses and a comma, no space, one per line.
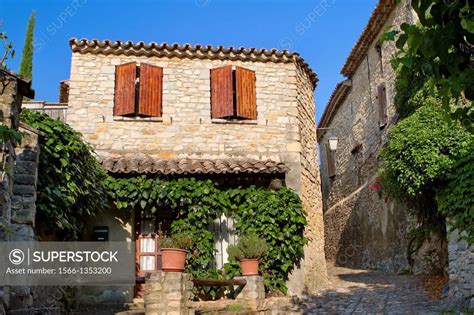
(249,267)
(248,250)
(173,259)
(174,252)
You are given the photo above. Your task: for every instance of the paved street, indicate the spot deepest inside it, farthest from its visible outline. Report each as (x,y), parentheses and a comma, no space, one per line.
(365,292)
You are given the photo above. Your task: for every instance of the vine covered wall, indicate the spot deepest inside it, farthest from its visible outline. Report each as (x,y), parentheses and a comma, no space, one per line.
(275,215)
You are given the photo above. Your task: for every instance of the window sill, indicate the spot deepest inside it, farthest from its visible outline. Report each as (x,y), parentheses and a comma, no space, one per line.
(123,118)
(233,121)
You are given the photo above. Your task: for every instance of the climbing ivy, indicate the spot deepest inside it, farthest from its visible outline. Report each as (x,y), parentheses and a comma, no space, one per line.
(275,215)
(420,157)
(456,200)
(70,185)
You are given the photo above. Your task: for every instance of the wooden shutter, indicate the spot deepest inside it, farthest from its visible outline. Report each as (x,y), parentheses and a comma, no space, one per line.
(331,165)
(245,93)
(125,76)
(151,90)
(382,101)
(222,98)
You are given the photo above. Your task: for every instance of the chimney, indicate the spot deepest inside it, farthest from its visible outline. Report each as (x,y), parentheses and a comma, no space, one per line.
(64,91)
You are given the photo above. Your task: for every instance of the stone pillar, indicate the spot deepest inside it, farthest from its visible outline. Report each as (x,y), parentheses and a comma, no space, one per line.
(253,293)
(168,293)
(461,270)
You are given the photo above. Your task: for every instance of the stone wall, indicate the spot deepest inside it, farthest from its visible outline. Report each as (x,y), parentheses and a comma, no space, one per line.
(168,293)
(18,177)
(186,128)
(362,227)
(283,131)
(314,266)
(461,270)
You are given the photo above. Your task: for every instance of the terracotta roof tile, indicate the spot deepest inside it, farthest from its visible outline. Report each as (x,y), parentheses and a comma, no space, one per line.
(108,47)
(148,164)
(377,20)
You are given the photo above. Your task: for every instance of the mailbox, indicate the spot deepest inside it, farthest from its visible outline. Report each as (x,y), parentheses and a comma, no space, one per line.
(101,233)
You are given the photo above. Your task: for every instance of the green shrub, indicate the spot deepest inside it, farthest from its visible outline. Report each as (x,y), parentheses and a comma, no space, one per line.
(422,151)
(249,247)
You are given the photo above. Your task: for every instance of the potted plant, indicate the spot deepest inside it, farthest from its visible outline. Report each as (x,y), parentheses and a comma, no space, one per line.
(173,252)
(248,250)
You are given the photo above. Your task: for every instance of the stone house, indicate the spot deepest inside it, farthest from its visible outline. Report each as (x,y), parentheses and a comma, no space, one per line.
(181,110)
(362,228)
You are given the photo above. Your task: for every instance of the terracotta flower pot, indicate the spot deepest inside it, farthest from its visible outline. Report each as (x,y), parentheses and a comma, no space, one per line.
(249,266)
(173,259)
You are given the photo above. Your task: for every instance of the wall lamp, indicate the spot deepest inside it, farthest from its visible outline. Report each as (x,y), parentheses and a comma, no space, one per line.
(332,140)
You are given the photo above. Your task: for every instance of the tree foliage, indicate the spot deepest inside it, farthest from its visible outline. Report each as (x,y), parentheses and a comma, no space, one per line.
(70,184)
(7,48)
(421,154)
(26,64)
(440,48)
(277,216)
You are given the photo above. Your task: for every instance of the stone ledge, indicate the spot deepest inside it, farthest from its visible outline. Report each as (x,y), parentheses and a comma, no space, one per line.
(122,118)
(235,122)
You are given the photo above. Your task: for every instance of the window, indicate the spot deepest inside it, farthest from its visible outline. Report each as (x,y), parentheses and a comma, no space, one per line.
(330,161)
(224,235)
(138,90)
(358,161)
(378,48)
(233,93)
(382,105)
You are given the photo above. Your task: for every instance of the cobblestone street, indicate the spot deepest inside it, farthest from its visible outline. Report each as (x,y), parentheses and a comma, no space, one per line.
(355,291)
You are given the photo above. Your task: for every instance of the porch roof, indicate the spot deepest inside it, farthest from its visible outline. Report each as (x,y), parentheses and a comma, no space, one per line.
(152,165)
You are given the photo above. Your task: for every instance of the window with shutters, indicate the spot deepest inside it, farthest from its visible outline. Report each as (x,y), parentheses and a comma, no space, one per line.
(330,161)
(233,93)
(382,104)
(138,90)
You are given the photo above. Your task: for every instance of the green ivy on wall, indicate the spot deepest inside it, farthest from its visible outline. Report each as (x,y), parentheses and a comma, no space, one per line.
(70,187)
(275,215)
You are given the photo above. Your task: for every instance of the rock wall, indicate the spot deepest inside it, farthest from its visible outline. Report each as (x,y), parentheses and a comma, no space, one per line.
(168,293)
(461,270)
(18,177)
(362,227)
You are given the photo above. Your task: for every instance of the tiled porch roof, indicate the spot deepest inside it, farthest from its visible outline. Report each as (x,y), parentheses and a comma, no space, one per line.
(149,164)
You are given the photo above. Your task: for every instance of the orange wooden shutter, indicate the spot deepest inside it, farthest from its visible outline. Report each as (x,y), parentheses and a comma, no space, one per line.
(151,90)
(125,76)
(245,93)
(331,165)
(222,98)
(382,101)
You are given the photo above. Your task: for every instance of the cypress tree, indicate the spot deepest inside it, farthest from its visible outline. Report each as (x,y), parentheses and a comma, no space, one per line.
(26,65)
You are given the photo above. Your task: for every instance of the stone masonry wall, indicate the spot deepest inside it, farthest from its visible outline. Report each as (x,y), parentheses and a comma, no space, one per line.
(461,270)
(310,191)
(17,215)
(186,129)
(362,227)
(283,131)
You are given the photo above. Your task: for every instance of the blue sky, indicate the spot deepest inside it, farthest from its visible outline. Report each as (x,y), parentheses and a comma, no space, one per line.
(322,31)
